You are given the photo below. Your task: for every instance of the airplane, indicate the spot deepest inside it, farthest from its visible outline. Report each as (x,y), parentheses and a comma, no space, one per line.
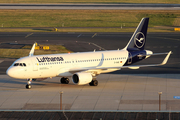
(84,67)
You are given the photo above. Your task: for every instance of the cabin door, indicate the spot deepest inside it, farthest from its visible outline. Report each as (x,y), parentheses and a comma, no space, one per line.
(35,64)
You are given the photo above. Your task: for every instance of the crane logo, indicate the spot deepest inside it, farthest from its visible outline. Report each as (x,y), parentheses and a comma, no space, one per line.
(139,40)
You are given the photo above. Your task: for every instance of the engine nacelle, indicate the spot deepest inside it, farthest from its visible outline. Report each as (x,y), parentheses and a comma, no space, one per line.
(81,78)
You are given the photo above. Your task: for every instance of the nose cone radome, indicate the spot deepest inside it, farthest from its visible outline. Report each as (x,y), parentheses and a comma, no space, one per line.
(13,72)
(9,72)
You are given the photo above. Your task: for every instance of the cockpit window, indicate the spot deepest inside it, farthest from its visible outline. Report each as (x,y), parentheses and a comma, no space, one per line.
(16,64)
(19,64)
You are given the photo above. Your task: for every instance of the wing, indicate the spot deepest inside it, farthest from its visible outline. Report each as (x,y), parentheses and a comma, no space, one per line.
(99,70)
(31,53)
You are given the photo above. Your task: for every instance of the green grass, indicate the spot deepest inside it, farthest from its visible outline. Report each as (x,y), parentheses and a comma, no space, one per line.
(17,53)
(165,19)
(83,18)
(91,1)
(123,29)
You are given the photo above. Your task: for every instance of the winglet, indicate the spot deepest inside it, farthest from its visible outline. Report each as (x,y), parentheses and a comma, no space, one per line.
(166,59)
(31,53)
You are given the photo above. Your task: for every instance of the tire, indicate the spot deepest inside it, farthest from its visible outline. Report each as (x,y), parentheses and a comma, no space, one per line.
(93,83)
(28,86)
(67,81)
(64,80)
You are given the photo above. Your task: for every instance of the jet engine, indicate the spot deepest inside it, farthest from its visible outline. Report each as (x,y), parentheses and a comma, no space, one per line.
(81,78)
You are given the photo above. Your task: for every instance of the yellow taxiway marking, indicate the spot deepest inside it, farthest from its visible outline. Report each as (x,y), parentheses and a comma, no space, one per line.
(28,35)
(94,35)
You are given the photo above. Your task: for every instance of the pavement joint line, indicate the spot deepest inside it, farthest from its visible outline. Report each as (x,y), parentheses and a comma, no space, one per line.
(28,35)
(1,61)
(92,44)
(94,35)
(98,46)
(153,111)
(79,35)
(169,38)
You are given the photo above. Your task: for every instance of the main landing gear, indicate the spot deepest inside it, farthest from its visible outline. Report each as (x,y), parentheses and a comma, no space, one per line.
(28,86)
(93,83)
(64,80)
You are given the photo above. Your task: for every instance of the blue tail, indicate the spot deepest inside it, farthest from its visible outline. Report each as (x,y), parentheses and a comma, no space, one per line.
(138,39)
(136,45)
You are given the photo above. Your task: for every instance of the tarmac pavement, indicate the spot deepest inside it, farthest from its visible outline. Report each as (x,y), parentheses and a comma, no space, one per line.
(114,92)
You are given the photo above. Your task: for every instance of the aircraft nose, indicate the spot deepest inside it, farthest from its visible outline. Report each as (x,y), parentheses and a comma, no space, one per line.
(14,72)
(10,72)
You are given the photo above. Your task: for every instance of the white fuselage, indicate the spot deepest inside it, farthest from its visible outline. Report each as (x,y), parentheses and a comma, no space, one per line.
(54,65)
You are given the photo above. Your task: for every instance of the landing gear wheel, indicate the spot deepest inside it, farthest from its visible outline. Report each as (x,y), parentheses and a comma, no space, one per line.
(93,83)
(28,86)
(64,80)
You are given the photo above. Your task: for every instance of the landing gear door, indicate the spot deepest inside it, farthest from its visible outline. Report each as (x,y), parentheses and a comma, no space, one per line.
(35,64)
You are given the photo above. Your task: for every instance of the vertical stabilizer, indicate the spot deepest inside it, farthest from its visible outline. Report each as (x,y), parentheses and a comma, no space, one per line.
(138,39)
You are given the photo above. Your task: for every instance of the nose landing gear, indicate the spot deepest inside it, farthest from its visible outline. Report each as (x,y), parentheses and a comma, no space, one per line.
(28,86)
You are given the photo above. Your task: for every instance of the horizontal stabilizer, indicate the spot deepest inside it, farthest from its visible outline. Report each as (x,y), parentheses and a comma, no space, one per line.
(153,54)
(133,67)
(166,59)
(138,66)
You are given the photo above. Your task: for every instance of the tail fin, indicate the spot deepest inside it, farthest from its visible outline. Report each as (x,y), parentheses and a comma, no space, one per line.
(138,39)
